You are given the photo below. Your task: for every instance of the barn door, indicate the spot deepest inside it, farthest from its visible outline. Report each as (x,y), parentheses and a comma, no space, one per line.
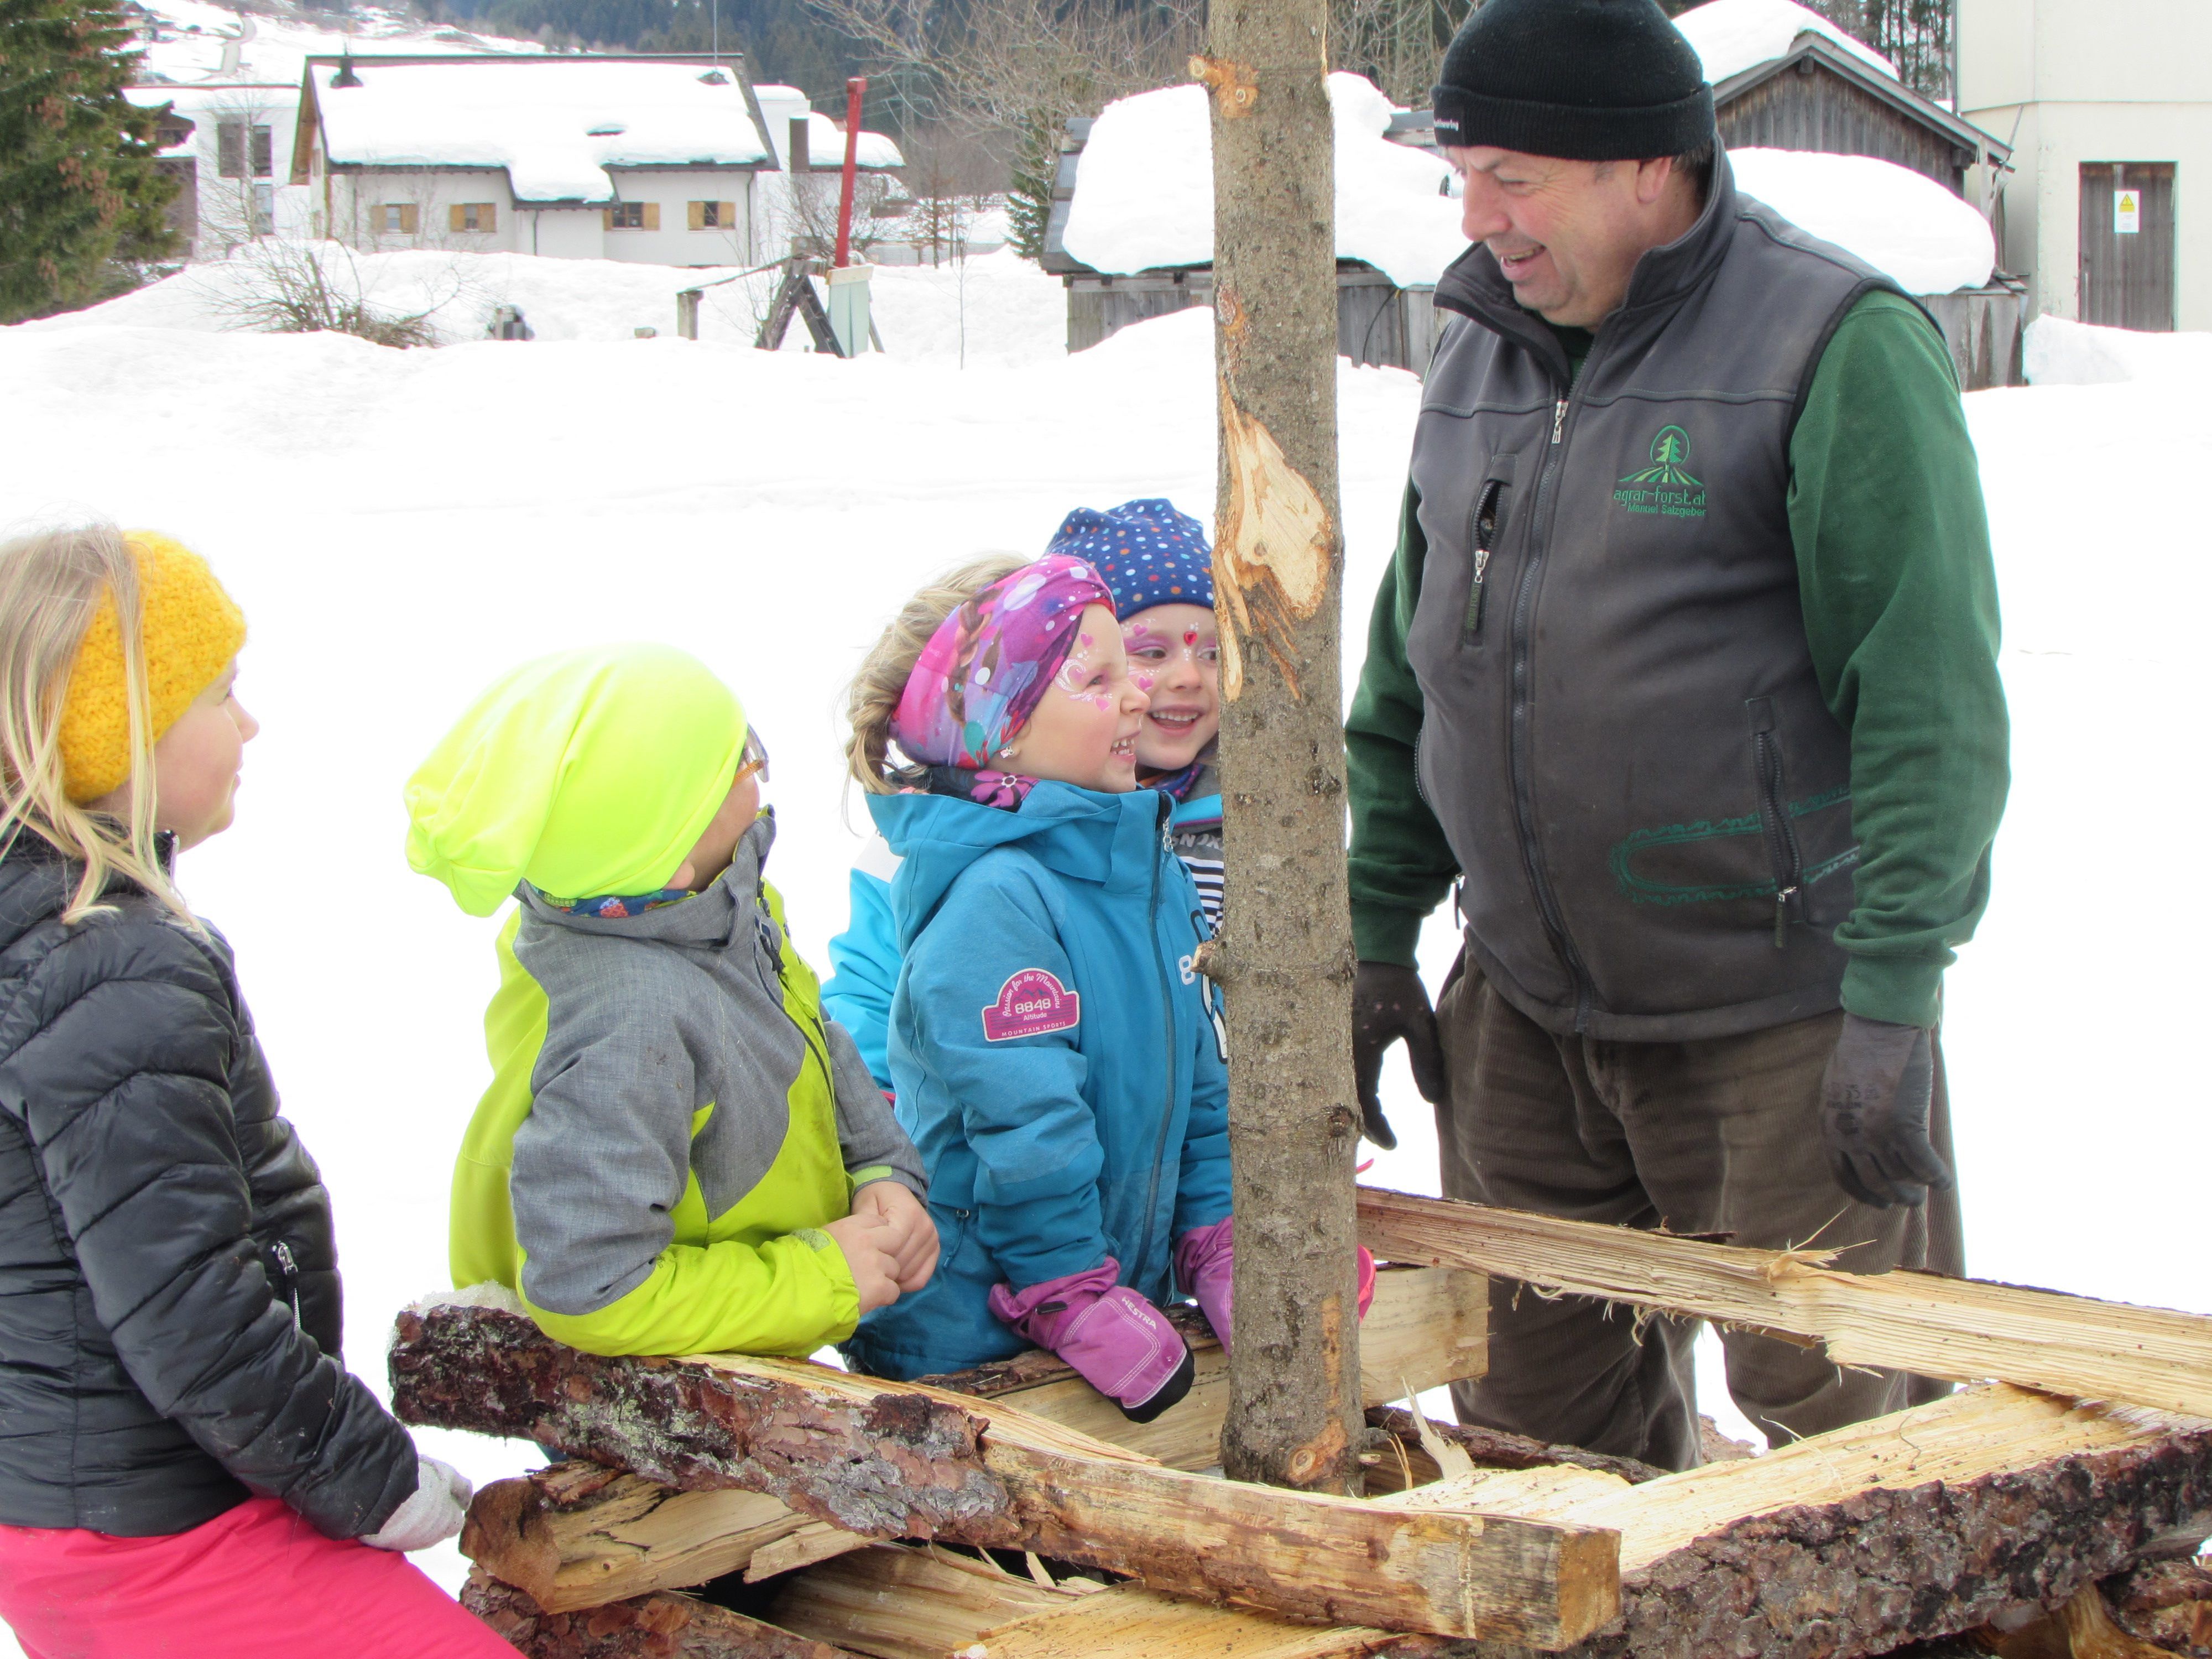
(2127,244)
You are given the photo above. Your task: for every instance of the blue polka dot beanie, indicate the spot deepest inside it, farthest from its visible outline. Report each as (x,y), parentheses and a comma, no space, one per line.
(1149,554)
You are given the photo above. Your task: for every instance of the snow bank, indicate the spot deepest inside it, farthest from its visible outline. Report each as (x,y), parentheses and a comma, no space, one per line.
(999,310)
(1898,220)
(2059,352)
(1144,188)
(1734,36)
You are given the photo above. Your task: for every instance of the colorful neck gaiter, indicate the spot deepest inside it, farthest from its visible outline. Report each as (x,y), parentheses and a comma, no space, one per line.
(984,671)
(615,907)
(1176,784)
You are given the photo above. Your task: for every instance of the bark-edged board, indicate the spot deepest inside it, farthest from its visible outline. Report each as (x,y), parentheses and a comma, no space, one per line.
(657,1626)
(896,1460)
(1964,1329)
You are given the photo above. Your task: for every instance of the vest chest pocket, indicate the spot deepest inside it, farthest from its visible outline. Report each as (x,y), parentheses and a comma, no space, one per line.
(1486,521)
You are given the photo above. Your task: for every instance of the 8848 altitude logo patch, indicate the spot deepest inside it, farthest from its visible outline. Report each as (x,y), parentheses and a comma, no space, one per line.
(1665,487)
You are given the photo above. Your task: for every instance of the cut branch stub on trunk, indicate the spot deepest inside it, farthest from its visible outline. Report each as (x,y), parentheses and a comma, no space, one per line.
(892,1459)
(1963,1330)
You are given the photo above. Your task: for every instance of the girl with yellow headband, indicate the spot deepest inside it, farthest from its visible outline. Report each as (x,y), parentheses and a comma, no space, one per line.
(184,1449)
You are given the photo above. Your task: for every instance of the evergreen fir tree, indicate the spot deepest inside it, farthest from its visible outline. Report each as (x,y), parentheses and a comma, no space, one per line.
(1029,181)
(79,184)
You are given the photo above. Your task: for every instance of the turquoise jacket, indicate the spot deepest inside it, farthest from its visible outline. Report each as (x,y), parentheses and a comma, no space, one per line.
(1057,1060)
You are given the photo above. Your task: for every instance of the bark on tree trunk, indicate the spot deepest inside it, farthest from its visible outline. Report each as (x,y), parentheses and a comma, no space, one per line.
(659,1626)
(1285,958)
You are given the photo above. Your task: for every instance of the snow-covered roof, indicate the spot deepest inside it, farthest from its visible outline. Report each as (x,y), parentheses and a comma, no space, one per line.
(1898,220)
(1144,188)
(186,40)
(554,123)
(825,139)
(1734,36)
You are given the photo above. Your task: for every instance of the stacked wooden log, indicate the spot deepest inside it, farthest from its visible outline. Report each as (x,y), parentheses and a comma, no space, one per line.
(779,1480)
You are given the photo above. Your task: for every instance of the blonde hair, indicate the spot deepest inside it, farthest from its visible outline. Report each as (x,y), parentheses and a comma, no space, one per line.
(51,582)
(877,689)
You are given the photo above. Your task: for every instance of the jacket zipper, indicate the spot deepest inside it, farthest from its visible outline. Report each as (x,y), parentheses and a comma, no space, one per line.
(1781,846)
(1485,532)
(288,1268)
(1524,605)
(1167,1011)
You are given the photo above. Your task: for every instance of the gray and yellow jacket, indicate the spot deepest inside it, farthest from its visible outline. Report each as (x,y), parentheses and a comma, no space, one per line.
(670,1122)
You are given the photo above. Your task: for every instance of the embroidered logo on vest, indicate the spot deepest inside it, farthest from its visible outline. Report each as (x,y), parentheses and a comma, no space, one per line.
(1031,1003)
(1664,486)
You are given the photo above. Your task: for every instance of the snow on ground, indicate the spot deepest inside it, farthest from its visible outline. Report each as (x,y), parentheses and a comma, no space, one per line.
(1013,313)
(400,526)
(1898,220)
(1734,36)
(2062,353)
(1144,187)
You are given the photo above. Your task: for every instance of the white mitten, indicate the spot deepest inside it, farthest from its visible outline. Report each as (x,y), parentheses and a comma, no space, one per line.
(433,1513)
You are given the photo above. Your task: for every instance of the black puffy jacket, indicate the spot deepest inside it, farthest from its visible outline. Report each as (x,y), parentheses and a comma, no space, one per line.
(159,1224)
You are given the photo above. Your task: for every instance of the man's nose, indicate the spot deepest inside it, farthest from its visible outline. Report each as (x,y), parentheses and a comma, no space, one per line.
(1482,213)
(1181,673)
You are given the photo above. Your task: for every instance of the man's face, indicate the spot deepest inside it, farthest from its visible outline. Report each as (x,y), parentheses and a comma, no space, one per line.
(1567,234)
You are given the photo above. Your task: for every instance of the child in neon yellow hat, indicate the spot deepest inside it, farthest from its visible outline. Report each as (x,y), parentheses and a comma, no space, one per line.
(677,1153)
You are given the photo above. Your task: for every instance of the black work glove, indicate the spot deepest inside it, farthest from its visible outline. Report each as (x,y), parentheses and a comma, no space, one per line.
(1389,1002)
(1874,1099)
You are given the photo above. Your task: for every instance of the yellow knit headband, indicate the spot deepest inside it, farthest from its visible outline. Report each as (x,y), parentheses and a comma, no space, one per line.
(191,628)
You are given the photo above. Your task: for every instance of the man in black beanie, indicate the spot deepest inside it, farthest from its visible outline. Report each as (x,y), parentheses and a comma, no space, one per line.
(1685,668)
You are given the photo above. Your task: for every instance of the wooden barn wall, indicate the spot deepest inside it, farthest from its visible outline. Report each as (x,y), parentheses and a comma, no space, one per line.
(1820,111)
(1376,323)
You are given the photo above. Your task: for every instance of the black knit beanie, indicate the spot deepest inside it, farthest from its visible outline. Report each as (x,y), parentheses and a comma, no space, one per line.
(1588,79)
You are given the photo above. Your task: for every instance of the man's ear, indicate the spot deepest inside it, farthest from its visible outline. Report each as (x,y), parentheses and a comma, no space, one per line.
(1652,178)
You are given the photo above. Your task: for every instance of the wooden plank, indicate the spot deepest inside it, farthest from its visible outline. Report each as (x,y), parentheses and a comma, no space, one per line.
(1906,1528)
(897,1602)
(899,1460)
(660,1626)
(1426,1327)
(575,1536)
(1964,1329)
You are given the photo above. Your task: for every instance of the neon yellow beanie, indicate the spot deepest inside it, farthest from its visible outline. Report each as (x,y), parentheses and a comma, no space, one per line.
(585,773)
(192,629)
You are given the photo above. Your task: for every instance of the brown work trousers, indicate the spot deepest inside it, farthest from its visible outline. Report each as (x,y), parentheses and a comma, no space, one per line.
(1716,1136)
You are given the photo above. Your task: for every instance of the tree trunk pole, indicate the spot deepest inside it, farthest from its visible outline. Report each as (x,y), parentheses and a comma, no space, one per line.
(1284,958)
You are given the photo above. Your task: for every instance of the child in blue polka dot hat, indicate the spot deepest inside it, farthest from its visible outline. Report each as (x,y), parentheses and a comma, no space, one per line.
(1160,569)
(1157,565)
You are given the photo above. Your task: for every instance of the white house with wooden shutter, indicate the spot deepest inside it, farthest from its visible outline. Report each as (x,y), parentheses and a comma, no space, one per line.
(229,142)
(2110,102)
(661,160)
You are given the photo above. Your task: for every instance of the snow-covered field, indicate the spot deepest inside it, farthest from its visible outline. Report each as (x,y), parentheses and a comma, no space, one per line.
(401,525)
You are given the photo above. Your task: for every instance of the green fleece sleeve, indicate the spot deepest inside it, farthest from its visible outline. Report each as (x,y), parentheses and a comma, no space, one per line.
(1400,864)
(1901,602)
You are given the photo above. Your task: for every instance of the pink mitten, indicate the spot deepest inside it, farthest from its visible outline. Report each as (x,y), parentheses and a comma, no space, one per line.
(1205,1266)
(1204,1261)
(1120,1343)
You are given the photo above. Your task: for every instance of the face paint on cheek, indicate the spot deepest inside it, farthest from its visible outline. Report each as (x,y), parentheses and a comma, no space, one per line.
(1143,681)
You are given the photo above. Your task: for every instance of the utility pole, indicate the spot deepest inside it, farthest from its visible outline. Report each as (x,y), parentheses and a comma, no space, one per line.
(1285,960)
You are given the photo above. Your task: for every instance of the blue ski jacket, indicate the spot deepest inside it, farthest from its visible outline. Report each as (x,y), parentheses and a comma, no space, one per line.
(1057,1060)
(864,959)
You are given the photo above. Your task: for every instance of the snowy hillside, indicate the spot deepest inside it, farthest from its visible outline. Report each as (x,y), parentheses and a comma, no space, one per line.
(190,37)
(399,527)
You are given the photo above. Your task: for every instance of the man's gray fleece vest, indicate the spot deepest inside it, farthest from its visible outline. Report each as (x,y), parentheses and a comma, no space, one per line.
(1625,741)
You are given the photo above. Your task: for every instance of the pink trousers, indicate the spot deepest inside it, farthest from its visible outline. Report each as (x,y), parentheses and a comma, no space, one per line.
(257,1582)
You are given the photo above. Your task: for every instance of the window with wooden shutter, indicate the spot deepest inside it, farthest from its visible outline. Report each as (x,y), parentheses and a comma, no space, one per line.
(634,216)
(265,156)
(652,216)
(696,214)
(477,218)
(713,216)
(230,149)
(404,217)
(456,218)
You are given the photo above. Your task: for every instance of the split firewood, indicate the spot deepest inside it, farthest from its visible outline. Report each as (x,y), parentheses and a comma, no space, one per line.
(1912,1526)
(1959,1328)
(658,1627)
(896,1460)
(577,1536)
(1491,1449)
(2168,1602)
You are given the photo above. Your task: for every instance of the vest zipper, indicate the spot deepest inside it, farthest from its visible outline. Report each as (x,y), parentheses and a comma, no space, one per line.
(1781,835)
(1524,806)
(1167,1011)
(1485,532)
